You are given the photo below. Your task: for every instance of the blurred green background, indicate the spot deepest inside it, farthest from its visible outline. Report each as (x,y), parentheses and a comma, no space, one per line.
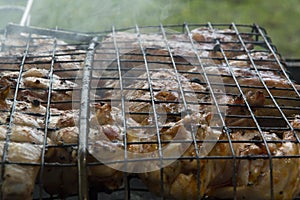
(280,18)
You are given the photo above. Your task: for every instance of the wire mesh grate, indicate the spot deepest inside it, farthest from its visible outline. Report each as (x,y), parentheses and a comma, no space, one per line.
(191,111)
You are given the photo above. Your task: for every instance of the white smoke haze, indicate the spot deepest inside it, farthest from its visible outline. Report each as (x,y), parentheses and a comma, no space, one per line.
(99,15)
(10,12)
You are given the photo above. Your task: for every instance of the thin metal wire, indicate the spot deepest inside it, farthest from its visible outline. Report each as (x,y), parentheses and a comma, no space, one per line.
(216,104)
(153,107)
(175,69)
(12,112)
(264,83)
(249,108)
(124,128)
(187,110)
(47,117)
(277,59)
(84,121)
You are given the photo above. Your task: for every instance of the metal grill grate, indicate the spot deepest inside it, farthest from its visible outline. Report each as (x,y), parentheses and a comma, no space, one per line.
(186,111)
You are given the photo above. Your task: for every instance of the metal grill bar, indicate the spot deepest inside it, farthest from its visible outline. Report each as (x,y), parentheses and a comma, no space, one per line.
(277,59)
(175,68)
(84,121)
(153,107)
(264,83)
(253,157)
(249,108)
(126,186)
(225,128)
(187,110)
(47,117)
(206,77)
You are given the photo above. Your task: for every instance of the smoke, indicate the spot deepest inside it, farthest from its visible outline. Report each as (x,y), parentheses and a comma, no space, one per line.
(10,12)
(98,15)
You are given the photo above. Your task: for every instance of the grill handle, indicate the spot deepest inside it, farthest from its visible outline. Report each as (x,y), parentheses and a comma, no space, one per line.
(26,15)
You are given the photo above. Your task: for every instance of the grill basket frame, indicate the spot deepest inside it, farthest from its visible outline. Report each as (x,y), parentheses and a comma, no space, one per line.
(87,44)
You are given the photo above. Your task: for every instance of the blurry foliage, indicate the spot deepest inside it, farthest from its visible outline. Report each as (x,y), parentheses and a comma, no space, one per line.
(279,18)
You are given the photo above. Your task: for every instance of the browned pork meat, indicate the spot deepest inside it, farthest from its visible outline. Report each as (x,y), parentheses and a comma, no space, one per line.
(19,180)
(64,180)
(166,91)
(180,179)
(68,58)
(253,175)
(35,85)
(157,51)
(24,146)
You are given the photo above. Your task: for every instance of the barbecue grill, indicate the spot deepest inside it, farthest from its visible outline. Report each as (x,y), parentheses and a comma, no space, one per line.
(87,51)
(85,71)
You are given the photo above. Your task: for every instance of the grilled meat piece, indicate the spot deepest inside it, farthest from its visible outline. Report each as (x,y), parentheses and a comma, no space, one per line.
(253,175)
(228,41)
(21,134)
(68,58)
(24,146)
(157,56)
(19,180)
(61,180)
(170,104)
(219,172)
(34,86)
(184,170)
(204,40)
(24,140)
(157,51)
(216,175)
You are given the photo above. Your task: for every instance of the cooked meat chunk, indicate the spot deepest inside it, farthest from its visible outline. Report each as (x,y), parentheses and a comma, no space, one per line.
(184,170)
(166,92)
(61,180)
(25,146)
(68,58)
(19,180)
(34,86)
(253,175)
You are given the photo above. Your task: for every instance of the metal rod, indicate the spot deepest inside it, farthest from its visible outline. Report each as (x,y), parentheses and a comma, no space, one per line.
(277,59)
(47,117)
(84,121)
(153,107)
(264,83)
(187,110)
(124,130)
(248,107)
(26,14)
(216,104)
